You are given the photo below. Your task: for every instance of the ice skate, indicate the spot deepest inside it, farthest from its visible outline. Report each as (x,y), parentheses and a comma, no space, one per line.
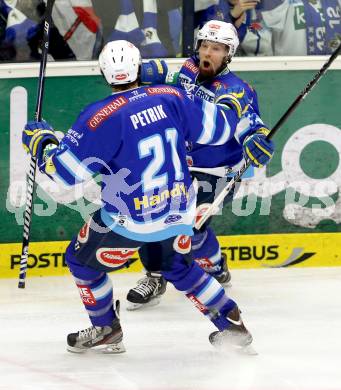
(223,276)
(147,292)
(236,335)
(108,339)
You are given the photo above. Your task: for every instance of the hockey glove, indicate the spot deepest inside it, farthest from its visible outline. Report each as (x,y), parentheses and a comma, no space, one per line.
(258,148)
(154,72)
(236,99)
(36,136)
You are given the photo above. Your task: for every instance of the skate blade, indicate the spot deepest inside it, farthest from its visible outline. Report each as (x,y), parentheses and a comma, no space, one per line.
(105,349)
(137,306)
(75,350)
(228,346)
(114,348)
(247,350)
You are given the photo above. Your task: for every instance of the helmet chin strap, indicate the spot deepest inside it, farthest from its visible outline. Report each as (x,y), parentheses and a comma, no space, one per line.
(228,60)
(224,64)
(228,56)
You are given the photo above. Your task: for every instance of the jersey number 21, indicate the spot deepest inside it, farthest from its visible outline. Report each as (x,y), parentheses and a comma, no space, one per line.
(154,146)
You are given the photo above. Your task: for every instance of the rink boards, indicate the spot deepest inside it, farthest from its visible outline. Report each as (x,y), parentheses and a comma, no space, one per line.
(296,197)
(247,251)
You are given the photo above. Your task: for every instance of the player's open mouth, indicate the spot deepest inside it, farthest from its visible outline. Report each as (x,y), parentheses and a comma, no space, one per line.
(206,64)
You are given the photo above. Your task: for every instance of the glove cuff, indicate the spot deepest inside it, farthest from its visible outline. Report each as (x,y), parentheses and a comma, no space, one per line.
(154,72)
(264,131)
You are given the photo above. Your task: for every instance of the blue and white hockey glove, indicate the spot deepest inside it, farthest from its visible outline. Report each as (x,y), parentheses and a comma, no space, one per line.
(36,136)
(236,98)
(258,148)
(154,72)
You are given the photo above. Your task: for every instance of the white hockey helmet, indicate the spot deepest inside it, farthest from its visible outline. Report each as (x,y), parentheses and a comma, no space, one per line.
(119,62)
(221,32)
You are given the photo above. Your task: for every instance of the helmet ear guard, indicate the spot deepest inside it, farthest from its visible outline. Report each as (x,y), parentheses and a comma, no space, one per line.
(220,32)
(119,62)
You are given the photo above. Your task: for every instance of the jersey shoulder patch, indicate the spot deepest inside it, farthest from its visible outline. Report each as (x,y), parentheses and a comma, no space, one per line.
(104,111)
(162,90)
(190,65)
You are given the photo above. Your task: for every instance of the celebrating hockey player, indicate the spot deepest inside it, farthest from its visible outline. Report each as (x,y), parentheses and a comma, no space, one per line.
(138,134)
(207,76)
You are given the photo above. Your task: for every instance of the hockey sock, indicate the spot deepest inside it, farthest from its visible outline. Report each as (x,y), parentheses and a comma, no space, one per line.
(202,290)
(95,289)
(206,251)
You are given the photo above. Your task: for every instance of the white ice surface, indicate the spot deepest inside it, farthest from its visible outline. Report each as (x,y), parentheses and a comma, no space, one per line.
(293,314)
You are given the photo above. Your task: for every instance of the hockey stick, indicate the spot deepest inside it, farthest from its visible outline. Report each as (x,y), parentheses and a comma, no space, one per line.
(33,164)
(221,196)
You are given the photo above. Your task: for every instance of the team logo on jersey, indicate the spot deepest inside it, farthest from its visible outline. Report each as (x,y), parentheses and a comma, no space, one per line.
(173,218)
(114,257)
(218,85)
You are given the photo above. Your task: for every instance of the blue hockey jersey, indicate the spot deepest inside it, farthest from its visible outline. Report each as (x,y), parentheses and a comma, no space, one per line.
(231,153)
(136,140)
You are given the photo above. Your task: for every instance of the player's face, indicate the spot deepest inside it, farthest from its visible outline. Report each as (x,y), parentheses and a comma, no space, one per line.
(212,56)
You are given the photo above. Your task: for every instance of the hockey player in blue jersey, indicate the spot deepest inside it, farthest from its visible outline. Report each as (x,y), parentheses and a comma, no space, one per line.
(135,138)
(207,76)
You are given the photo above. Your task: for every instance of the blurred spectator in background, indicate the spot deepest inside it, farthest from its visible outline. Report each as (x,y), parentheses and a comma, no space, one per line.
(22,18)
(254,35)
(246,16)
(278,27)
(127,26)
(144,24)
(151,45)
(79,26)
(173,12)
(265,27)
(3,20)
(303,27)
(75,34)
(206,10)
(7,49)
